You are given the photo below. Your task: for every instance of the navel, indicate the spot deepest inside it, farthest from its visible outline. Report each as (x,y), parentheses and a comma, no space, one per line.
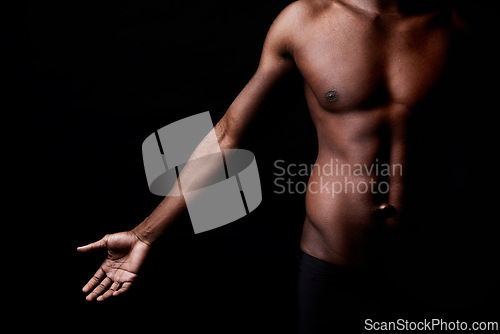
(332,96)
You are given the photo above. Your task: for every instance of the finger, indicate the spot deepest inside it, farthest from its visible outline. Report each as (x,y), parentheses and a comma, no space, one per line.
(94,281)
(103,286)
(100,244)
(115,286)
(125,286)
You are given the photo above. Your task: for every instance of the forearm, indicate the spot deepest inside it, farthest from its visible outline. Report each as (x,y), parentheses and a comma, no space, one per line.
(160,219)
(174,204)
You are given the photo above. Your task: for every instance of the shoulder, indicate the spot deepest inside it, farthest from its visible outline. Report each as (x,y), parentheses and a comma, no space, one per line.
(302,10)
(294,19)
(289,16)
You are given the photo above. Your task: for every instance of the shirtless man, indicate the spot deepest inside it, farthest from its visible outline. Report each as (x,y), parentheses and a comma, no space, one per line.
(365,65)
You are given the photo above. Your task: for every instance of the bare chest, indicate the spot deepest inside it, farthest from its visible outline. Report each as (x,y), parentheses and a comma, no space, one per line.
(353,65)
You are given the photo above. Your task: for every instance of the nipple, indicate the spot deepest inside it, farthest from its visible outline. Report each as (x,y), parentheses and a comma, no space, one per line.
(332,96)
(384,211)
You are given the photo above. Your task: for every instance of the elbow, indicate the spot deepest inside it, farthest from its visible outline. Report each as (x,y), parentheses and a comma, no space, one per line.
(226,138)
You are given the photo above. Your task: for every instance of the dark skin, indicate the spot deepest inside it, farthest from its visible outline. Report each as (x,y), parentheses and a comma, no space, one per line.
(365,65)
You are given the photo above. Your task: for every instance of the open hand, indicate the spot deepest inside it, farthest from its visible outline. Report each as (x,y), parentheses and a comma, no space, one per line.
(126,254)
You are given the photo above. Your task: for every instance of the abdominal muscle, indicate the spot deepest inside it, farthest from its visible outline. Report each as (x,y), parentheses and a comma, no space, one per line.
(343,192)
(339,220)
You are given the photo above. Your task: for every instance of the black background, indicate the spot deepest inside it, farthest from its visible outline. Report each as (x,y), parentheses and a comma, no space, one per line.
(91,80)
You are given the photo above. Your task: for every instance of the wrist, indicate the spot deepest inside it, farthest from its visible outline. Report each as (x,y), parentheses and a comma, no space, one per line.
(142,235)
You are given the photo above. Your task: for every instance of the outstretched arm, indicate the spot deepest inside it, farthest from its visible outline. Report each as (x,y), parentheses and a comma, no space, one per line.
(127,250)
(275,62)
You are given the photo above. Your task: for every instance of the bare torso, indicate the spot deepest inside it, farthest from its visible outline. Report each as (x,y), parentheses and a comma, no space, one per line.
(367,65)
(363,75)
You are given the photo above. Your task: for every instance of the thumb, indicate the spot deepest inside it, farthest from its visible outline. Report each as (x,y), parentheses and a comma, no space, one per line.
(100,244)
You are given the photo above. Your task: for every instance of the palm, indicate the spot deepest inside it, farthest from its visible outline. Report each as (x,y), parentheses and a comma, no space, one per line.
(126,254)
(124,260)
